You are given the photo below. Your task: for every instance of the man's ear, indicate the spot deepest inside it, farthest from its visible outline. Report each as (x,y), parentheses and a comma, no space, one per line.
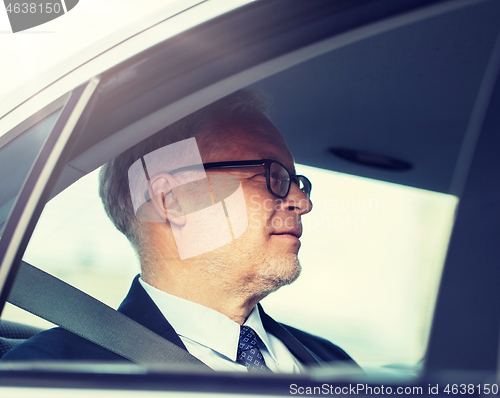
(165,200)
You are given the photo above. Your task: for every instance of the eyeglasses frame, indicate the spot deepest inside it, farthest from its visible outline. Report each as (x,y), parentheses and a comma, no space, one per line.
(266,163)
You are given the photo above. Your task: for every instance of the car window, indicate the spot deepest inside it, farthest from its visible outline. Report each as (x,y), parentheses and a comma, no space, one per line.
(372,255)
(16,159)
(372,258)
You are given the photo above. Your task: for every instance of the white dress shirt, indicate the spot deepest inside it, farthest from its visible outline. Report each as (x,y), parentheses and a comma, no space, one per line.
(213,337)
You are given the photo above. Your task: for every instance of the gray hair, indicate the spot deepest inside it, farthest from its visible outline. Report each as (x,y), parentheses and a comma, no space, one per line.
(113,176)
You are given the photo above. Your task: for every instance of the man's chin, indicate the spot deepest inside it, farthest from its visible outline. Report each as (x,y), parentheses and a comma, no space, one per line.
(281,271)
(272,274)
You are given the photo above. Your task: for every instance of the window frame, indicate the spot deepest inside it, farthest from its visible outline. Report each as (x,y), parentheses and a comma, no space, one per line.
(37,186)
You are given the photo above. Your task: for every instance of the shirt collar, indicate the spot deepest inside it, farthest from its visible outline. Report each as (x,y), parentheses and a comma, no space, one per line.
(204,325)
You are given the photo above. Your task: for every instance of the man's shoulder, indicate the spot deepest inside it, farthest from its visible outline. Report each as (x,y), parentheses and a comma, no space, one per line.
(322,348)
(58,343)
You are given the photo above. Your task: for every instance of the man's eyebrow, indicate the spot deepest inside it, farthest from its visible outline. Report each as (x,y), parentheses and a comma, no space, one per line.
(271,157)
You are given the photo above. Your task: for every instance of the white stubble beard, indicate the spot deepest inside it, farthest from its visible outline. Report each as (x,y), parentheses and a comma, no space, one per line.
(274,273)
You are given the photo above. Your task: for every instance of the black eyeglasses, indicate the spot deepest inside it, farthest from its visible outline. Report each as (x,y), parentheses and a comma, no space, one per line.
(278,178)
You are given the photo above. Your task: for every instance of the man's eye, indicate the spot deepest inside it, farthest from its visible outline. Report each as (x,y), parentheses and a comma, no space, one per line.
(275,177)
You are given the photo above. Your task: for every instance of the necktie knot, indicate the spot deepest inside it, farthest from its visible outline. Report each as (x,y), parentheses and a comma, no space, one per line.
(248,351)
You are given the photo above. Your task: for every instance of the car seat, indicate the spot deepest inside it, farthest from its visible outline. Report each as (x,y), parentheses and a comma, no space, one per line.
(13,333)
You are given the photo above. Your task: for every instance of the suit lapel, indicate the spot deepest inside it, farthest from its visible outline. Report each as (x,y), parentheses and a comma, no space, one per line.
(139,307)
(295,346)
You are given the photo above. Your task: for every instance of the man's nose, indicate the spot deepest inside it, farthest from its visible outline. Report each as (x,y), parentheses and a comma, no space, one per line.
(297,200)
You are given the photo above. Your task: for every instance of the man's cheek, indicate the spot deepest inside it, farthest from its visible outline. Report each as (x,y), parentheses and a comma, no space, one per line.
(260,221)
(255,220)
(255,204)
(269,205)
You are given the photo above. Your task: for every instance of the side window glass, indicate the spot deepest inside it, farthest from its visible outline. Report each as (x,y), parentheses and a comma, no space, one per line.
(372,255)
(16,159)
(75,241)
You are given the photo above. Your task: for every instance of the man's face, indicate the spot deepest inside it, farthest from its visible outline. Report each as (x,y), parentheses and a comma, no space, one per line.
(264,257)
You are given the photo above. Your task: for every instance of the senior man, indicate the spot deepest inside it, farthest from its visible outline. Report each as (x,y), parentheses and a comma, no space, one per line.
(213,208)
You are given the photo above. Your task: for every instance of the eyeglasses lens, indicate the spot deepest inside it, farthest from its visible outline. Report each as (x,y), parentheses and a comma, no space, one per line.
(304,185)
(279,179)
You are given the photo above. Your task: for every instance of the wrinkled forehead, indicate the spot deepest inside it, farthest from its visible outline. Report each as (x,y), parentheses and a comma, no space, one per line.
(247,138)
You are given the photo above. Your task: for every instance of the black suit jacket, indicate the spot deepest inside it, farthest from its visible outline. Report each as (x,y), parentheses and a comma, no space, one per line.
(60,344)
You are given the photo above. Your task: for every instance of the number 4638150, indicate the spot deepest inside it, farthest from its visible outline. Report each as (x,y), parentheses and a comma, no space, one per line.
(33,8)
(471,389)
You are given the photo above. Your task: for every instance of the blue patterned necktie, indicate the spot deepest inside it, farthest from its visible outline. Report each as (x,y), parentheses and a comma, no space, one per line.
(249,353)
